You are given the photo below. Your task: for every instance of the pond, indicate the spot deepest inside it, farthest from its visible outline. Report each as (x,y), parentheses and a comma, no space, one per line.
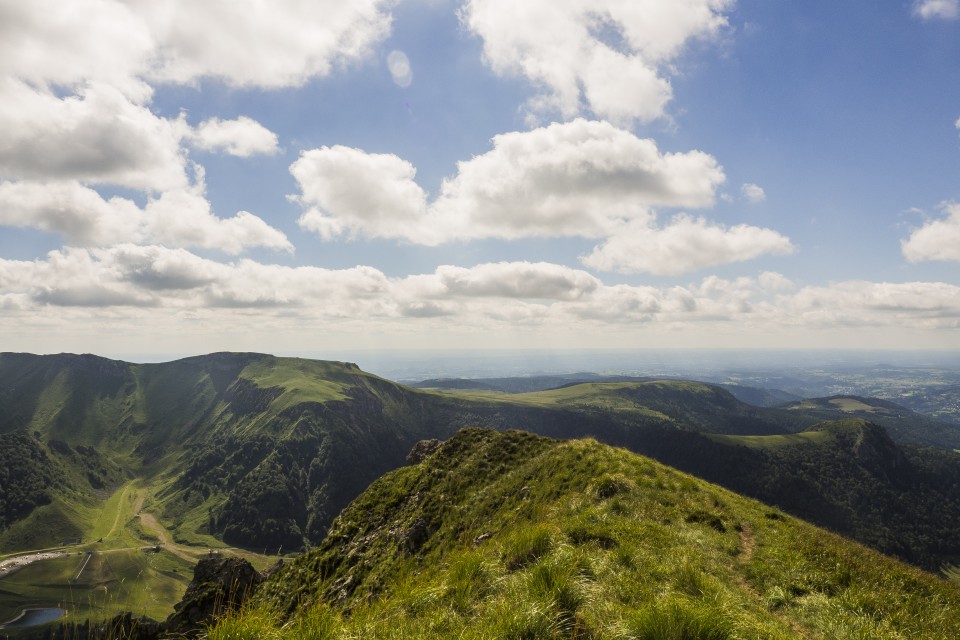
(33,617)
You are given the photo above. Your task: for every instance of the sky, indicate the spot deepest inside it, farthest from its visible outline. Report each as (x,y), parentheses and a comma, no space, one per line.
(303,176)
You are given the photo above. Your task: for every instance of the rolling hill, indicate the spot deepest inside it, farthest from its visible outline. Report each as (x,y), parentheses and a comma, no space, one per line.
(904,425)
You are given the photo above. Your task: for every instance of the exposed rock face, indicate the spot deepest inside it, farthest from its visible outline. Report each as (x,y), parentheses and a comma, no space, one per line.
(422,450)
(219,585)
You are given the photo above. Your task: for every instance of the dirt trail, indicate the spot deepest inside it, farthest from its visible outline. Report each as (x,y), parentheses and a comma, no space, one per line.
(150,523)
(747,545)
(138,504)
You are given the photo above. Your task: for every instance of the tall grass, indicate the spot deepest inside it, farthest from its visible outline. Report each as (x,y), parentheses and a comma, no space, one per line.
(589,542)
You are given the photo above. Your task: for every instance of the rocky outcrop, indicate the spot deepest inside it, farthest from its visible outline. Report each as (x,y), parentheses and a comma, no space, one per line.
(219,585)
(422,450)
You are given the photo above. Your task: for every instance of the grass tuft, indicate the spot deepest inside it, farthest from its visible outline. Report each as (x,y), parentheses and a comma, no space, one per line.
(681,619)
(526,547)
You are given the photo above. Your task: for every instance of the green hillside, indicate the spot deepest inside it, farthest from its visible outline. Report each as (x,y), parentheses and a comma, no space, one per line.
(262,452)
(509,535)
(212,435)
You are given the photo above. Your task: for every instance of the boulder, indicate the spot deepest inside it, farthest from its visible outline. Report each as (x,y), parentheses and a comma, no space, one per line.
(219,585)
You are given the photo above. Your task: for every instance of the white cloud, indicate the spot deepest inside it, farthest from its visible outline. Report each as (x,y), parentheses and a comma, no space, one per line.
(184,219)
(69,43)
(937,239)
(76,82)
(400,70)
(575,179)
(607,56)
(245,43)
(248,43)
(349,191)
(100,54)
(937,9)
(102,293)
(578,178)
(76,212)
(753,193)
(76,75)
(863,304)
(97,135)
(178,218)
(243,137)
(132,275)
(519,280)
(685,244)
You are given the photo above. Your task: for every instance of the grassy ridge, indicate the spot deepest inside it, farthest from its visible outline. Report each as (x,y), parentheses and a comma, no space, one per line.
(677,403)
(505,535)
(774,442)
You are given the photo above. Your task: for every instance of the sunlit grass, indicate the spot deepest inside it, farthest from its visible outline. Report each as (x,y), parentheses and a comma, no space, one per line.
(578,540)
(775,441)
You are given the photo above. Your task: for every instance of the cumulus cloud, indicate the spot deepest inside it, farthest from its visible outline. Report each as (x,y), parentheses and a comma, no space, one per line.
(178,218)
(248,43)
(484,300)
(937,239)
(76,212)
(685,244)
(753,193)
(70,43)
(519,280)
(243,137)
(349,191)
(98,127)
(580,178)
(135,275)
(245,43)
(184,218)
(932,305)
(97,135)
(76,83)
(605,56)
(937,9)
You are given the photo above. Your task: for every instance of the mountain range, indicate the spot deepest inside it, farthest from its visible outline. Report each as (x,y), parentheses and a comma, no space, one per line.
(263,452)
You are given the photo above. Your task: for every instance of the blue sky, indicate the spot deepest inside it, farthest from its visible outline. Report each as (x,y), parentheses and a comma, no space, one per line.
(181,178)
